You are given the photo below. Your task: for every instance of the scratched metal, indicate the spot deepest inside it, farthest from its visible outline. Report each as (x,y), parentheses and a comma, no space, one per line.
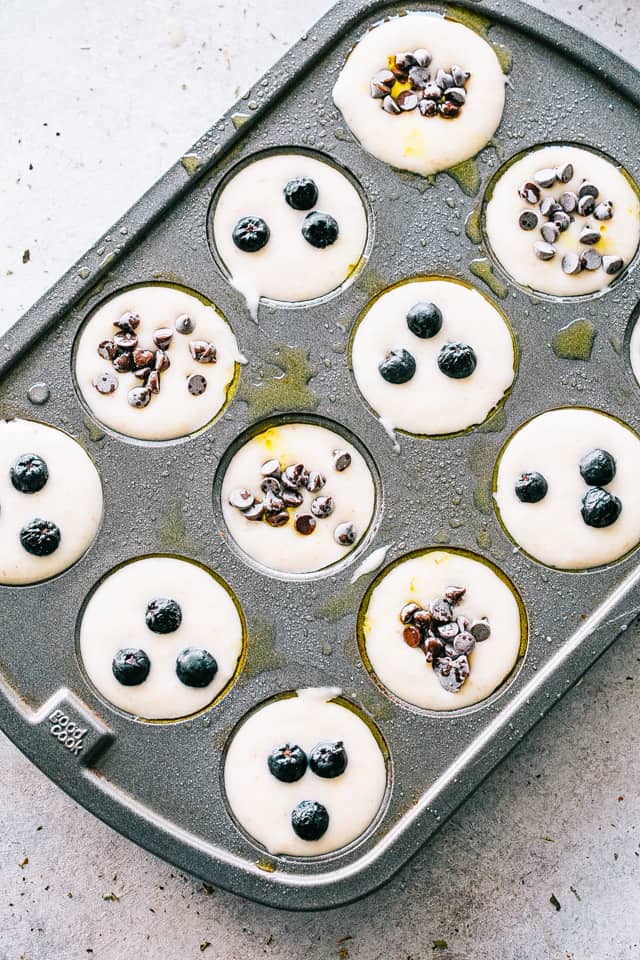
(160,784)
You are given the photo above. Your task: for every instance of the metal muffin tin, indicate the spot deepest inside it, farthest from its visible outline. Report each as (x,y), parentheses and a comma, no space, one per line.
(160,783)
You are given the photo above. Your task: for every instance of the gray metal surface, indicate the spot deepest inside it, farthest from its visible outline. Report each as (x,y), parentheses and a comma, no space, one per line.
(160,784)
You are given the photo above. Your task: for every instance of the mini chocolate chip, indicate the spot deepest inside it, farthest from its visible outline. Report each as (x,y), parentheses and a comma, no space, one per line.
(345,534)
(549,206)
(432,91)
(454,594)
(457,95)
(480,630)
(241,498)
(407,100)
(185,324)
(571,263)
(108,350)
(295,476)
(404,61)
(604,210)
(142,358)
(138,397)
(323,506)
(591,259)
(463,623)
(428,108)
(564,173)
(589,236)
(106,382)
(412,636)
(530,191)
(568,201)
(196,384)
(162,337)
(123,362)
(161,361)
(528,220)
(278,519)
(545,178)
(423,619)
(550,232)
(448,109)
(379,90)
(390,106)
(255,512)
(444,79)
(422,57)
(272,502)
(142,373)
(586,205)
(316,481)
(291,498)
(305,524)
(128,321)
(433,649)
(464,643)
(125,340)
(419,77)
(441,611)
(612,264)
(459,75)
(271,468)
(588,189)
(562,220)
(543,250)
(202,351)
(271,485)
(407,612)
(448,630)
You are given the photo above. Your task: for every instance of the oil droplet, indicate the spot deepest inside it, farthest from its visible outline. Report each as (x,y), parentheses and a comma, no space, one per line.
(287,390)
(84,272)
(616,343)
(575,341)
(94,431)
(472,226)
(467,176)
(267,865)
(262,655)
(441,537)
(482,268)
(239,119)
(39,393)
(191,163)
(482,496)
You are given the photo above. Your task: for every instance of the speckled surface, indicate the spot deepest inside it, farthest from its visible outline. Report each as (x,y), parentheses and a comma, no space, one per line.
(557,818)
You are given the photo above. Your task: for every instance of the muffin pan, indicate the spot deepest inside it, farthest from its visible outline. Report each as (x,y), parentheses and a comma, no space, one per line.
(161,783)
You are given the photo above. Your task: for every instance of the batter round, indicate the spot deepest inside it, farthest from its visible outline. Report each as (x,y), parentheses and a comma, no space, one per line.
(115,619)
(263,804)
(552,530)
(182,404)
(70,499)
(613,240)
(348,487)
(288,267)
(431,402)
(419,579)
(407,139)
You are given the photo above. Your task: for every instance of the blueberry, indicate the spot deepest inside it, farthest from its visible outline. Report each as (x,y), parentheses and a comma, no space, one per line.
(600,508)
(130,667)
(598,468)
(163,615)
(251,234)
(531,487)
(457,360)
(309,820)
(287,763)
(424,319)
(328,760)
(40,537)
(398,366)
(29,473)
(319,229)
(301,193)
(195,667)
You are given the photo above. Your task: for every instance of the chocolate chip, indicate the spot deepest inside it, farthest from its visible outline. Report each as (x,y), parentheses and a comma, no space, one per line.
(345,534)
(604,210)
(316,481)
(128,322)
(272,502)
(108,350)
(448,109)
(390,106)
(454,594)
(305,524)
(571,263)
(106,382)
(383,80)
(441,611)
(407,612)
(564,173)
(377,89)
(444,79)
(196,384)
(271,468)
(550,232)
(407,100)
(432,91)
(545,178)
(241,498)
(448,630)
(162,337)
(549,206)
(612,264)
(412,636)
(153,381)
(591,259)
(142,373)
(161,361)
(528,220)
(125,340)
(588,189)
(464,643)
(291,498)
(123,362)
(433,649)
(423,619)
(278,519)
(138,397)
(422,57)
(568,201)
(295,476)
(530,191)
(589,236)
(459,75)
(452,672)
(586,205)
(404,61)
(255,512)
(428,108)
(463,623)
(271,485)
(419,77)
(457,95)
(142,358)
(562,220)
(185,324)
(202,351)
(544,251)
(480,630)
(323,506)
